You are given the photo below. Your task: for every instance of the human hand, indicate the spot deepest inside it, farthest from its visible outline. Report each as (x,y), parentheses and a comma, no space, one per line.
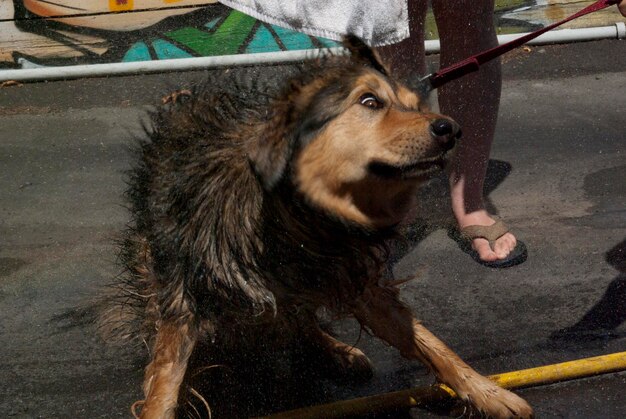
(622,7)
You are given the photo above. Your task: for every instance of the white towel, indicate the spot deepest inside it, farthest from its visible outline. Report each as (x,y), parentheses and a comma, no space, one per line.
(377,22)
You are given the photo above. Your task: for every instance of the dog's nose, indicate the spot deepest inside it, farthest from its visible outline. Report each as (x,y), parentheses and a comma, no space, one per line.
(446,131)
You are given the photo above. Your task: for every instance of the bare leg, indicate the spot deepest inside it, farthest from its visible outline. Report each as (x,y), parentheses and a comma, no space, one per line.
(466,27)
(164,375)
(408,56)
(389,319)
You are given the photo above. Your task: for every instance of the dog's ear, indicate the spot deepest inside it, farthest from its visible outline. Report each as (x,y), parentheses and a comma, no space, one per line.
(364,54)
(270,154)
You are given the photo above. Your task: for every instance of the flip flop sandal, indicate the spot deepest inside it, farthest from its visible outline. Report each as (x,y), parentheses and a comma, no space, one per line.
(491,233)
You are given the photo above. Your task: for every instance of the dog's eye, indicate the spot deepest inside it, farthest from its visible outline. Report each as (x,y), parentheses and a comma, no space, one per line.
(371,101)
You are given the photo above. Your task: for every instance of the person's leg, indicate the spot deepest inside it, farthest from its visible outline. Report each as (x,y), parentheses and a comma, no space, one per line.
(465,28)
(408,56)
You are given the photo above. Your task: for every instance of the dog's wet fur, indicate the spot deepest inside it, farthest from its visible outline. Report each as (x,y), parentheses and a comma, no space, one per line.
(252,211)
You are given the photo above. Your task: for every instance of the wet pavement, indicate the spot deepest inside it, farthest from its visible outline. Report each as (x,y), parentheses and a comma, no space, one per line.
(557,176)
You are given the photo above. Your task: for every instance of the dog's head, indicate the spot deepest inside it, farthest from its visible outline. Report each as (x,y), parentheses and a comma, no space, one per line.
(353,140)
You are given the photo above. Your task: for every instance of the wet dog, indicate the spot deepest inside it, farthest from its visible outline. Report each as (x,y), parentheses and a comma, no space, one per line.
(251,213)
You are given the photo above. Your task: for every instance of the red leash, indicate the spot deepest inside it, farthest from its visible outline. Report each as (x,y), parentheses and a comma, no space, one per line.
(474,62)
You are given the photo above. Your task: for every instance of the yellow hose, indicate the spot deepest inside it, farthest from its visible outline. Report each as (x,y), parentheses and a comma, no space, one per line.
(423,396)
(569,370)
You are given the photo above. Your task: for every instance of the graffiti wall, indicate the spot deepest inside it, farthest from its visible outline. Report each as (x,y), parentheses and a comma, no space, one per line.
(65,32)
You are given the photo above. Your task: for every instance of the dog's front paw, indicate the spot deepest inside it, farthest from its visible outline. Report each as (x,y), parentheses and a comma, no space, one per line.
(486,398)
(340,361)
(345,363)
(354,364)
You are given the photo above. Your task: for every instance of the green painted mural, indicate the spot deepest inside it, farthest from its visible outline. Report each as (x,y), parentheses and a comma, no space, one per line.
(233,33)
(66,32)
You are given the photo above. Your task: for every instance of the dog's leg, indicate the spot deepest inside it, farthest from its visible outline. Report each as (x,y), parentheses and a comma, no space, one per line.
(164,374)
(350,362)
(381,311)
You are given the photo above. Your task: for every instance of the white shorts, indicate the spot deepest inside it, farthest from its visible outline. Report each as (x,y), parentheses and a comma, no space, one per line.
(377,22)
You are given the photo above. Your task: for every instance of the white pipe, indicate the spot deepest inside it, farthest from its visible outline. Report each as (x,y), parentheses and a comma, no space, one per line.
(616,31)
(161,66)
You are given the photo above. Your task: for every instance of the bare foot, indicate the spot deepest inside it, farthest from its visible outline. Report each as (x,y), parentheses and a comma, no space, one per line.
(502,247)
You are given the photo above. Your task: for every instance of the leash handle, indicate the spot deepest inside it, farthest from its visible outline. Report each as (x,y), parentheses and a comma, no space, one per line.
(474,62)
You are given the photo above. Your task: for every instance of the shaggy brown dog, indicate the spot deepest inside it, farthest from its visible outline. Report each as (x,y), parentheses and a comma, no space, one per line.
(251,214)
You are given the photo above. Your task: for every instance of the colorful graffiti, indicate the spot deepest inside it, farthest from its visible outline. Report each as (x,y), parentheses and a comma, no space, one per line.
(232,33)
(65,32)
(37,32)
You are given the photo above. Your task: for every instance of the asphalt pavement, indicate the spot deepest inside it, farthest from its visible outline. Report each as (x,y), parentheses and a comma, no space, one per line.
(557,176)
